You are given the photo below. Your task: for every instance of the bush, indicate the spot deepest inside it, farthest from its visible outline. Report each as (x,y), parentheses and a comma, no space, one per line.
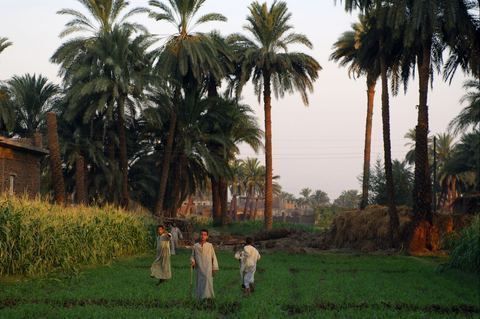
(465,248)
(37,237)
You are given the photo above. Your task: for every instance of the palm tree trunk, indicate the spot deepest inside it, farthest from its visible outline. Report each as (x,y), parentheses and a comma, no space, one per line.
(255,209)
(251,213)
(422,198)
(189,205)
(392,211)
(167,158)
(268,151)
(247,198)
(176,189)
(216,202)
(55,160)
(122,139)
(223,190)
(368,141)
(80,189)
(110,152)
(233,204)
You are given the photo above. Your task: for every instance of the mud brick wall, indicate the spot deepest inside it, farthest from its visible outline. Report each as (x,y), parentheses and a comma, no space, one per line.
(24,166)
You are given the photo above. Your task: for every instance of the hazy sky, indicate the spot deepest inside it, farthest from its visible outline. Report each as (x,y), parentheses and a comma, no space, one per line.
(320,146)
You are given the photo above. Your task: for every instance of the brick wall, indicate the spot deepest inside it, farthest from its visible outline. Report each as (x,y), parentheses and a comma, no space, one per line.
(25,169)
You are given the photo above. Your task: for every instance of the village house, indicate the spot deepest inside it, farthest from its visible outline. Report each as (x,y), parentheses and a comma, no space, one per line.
(20,165)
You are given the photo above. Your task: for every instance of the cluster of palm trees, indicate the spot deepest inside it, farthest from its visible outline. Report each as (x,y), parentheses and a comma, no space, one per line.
(392,41)
(316,201)
(248,183)
(312,199)
(146,122)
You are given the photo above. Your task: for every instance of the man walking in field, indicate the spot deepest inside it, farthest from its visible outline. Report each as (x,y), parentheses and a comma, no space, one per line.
(176,235)
(204,261)
(248,258)
(161,266)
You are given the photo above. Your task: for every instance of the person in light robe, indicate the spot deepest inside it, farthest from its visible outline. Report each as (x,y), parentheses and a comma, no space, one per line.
(176,236)
(160,268)
(248,257)
(204,261)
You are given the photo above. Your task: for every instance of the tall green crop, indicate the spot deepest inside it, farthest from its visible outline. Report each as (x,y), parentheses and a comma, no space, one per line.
(37,237)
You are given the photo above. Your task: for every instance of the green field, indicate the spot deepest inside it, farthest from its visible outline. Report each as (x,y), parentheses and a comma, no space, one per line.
(299,286)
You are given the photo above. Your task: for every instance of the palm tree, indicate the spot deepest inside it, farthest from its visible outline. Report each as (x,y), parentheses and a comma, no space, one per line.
(106,15)
(379,47)
(185,59)
(260,190)
(252,179)
(7,113)
(107,79)
(465,160)
(346,52)
(30,97)
(212,81)
(469,117)
(442,148)
(306,194)
(447,181)
(350,5)
(55,160)
(239,126)
(464,43)
(235,185)
(266,61)
(108,43)
(427,26)
(319,199)
(4,43)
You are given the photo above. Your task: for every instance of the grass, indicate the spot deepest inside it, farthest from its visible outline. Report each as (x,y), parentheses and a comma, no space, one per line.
(299,286)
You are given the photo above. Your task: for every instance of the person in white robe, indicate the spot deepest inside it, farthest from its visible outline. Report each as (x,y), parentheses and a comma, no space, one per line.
(176,236)
(248,257)
(160,268)
(204,261)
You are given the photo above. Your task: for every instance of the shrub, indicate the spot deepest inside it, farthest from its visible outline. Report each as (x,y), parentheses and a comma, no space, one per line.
(465,248)
(37,237)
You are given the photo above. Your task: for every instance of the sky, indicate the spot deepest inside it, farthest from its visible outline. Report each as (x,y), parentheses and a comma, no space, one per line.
(319,146)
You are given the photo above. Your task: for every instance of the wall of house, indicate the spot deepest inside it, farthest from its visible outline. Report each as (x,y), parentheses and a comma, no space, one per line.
(23,168)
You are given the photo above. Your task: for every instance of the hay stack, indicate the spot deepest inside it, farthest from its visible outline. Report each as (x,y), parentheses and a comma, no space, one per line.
(368,230)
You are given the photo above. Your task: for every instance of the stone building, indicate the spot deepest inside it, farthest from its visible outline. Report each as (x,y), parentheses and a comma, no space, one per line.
(20,165)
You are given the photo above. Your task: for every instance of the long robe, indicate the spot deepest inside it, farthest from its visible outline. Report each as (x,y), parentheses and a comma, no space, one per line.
(205,263)
(248,264)
(161,266)
(176,235)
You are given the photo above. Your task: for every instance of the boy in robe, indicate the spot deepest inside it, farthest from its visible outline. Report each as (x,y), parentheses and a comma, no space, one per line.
(160,268)
(204,261)
(248,258)
(174,241)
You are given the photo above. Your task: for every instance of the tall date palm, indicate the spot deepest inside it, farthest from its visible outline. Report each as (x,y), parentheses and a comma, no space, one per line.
(185,59)
(268,63)
(346,52)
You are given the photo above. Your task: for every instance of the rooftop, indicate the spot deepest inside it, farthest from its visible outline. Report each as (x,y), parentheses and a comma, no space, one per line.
(22,145)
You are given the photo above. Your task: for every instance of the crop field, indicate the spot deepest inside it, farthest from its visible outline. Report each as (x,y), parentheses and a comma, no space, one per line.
(288,285)
(37,237)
